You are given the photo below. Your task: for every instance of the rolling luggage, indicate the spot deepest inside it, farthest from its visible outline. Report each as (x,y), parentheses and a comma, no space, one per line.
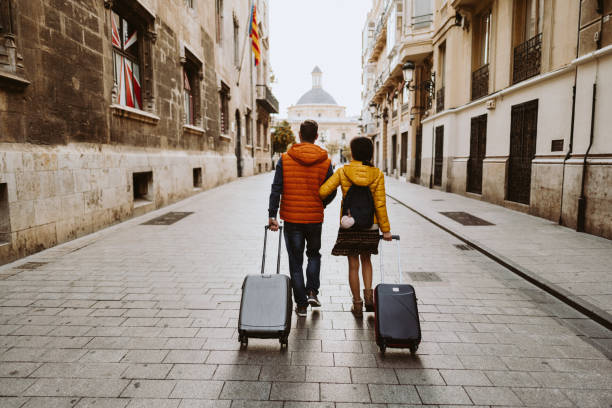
(396,314)
(266,306)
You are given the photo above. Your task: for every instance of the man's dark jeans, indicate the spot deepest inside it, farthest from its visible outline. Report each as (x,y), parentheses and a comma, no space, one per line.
(296,237)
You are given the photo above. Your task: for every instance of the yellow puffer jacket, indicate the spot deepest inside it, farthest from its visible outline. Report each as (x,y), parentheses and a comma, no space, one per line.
(361,175)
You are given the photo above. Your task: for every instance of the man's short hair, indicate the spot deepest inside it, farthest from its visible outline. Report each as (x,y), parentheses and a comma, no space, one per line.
(308,131)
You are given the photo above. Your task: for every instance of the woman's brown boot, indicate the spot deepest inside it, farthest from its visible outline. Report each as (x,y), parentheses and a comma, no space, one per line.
(357,309)
(368,297)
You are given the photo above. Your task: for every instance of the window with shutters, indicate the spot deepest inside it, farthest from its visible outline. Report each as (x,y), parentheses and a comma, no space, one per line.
(422,13)
(192,79)
(236,43)
(219,19)
(248,126)
(527,39)
(481,54)
(126,38)
(224,108)
(11,61)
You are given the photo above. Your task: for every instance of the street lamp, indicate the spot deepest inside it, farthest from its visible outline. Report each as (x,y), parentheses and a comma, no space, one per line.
(428,86)
(408,72)
(374,110)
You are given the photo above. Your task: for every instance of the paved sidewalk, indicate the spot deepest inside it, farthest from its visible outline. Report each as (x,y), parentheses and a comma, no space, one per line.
(579,263)
(145,316)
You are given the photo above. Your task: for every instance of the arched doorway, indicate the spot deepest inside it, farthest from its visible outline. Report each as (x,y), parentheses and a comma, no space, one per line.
(238,144)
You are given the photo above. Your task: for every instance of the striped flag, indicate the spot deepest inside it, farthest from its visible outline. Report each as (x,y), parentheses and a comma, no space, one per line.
(254,34)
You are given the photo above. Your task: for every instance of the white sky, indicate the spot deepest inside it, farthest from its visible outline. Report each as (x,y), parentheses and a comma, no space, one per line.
(327,33)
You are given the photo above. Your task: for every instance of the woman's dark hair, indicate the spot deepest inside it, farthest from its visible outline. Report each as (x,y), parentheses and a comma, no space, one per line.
(362,149)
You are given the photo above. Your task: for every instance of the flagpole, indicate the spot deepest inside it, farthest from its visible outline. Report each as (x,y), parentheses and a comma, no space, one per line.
(244,47)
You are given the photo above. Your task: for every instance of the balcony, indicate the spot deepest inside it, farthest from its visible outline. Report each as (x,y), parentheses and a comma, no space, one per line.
(440,100)
(266,99)
(527,59)
(480,82)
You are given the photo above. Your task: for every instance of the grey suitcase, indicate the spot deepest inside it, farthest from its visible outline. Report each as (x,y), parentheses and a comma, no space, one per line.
(266,306)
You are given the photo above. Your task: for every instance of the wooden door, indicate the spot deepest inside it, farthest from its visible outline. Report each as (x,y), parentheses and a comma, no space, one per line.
(523,136)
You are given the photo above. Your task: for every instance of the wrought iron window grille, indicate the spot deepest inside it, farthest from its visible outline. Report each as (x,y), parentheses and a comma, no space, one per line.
(527,59)
(440,100)
(480,82)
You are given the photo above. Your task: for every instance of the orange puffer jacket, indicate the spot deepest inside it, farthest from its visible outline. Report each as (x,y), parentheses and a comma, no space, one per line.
(305,167)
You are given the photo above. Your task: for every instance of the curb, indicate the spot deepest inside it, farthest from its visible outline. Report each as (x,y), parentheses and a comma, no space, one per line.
(591,311)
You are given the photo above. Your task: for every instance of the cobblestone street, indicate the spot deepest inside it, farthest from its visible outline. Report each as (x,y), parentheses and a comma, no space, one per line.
(145,316)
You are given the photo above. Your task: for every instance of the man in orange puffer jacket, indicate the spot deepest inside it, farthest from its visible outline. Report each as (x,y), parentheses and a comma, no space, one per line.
(299,174)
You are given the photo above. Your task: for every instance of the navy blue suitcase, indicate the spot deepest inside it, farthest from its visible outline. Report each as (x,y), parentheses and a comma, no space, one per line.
(396,314)
(266,305)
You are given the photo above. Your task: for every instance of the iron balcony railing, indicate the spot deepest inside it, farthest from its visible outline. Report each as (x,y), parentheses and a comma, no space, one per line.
(480,82)
(527,59)
(405,107)
(440,100)
(266,99)
(394,114)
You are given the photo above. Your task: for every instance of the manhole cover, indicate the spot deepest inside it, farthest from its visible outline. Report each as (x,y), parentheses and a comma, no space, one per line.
(464,218)
(424,277)
(437,199)
(463,247)
(168,218)
(31,265)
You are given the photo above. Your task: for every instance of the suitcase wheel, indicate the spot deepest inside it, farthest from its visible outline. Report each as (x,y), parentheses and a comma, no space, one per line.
(284,341)
(383,348)
(413,349)
(244,341)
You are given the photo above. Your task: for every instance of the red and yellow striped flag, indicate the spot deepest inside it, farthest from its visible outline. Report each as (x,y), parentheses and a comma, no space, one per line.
(254,34)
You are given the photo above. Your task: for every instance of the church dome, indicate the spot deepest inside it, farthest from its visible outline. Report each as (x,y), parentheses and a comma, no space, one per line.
(317,95)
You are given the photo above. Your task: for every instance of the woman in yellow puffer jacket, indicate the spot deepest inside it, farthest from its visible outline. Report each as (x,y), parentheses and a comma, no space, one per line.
(357,244)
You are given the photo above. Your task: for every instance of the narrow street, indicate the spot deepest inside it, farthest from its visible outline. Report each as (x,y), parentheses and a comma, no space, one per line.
(145,316)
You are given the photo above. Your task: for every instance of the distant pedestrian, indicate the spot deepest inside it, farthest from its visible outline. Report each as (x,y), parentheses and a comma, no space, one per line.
(364,212)
(299,174)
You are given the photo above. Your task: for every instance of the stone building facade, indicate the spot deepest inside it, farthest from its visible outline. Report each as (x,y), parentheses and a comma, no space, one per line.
(110,109)
(396,32)
(517,101)
(334,126)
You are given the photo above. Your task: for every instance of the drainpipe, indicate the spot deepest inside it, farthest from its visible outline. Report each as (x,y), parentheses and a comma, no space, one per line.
(571,141)
(582,200)
(433,158)
(571,145)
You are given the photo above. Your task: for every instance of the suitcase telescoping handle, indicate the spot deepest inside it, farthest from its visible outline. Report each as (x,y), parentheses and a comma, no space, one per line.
(395,238)
(263,260)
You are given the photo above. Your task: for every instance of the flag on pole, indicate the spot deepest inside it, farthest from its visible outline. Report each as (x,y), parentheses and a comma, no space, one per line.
(254,34)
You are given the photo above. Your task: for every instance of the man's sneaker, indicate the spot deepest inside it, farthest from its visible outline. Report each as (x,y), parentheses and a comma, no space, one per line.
(313,300)
(301,311)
